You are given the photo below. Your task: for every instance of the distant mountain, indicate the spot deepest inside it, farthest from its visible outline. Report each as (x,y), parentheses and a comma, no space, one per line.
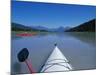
(59,29)
(62,29)
(67,28)
(39,28)
(20,27)
(85,27)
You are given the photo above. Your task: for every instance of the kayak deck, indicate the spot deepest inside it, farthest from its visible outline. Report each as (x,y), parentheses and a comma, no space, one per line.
(56,62)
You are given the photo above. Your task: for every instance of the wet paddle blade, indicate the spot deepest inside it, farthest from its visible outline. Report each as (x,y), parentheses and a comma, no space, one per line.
(23,55)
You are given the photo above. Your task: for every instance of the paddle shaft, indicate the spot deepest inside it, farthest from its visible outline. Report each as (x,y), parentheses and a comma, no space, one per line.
(29,66)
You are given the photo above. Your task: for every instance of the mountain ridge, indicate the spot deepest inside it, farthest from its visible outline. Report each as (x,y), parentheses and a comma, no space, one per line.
(87,26)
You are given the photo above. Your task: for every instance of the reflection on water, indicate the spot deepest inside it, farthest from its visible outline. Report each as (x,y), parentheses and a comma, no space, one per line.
(78,47)
(14,37)
(87,37)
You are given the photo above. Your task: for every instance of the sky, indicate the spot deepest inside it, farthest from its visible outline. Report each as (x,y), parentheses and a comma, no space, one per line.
(51,15)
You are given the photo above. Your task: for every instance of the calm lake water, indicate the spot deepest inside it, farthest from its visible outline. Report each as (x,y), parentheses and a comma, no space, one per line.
(78,47)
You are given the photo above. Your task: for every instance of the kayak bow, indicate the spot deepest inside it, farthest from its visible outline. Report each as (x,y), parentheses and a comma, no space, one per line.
(56,62)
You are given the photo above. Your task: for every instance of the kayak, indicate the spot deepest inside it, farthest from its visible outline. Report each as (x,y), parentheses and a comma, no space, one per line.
(24,34)
(57,62)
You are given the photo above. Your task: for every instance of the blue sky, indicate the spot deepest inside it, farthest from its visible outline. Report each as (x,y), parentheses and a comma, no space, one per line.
(51,15)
